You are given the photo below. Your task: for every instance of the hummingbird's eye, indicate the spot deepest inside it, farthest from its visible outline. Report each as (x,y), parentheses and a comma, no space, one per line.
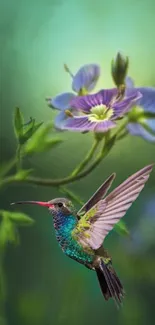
(60,204)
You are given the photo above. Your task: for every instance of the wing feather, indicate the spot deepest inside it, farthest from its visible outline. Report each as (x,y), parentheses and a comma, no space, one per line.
(93,227)
(98,195)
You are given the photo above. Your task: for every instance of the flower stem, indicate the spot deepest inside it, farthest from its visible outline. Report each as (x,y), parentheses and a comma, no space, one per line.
(121,127)
(69,179)
(108,144)
(18,157)
(88,157)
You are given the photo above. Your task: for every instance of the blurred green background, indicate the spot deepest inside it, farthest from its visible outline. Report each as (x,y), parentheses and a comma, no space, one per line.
(37,37)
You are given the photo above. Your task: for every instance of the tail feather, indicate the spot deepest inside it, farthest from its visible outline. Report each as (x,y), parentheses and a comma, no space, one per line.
(110,284)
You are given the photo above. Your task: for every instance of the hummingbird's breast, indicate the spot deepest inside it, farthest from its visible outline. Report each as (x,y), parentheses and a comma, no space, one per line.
(64,226)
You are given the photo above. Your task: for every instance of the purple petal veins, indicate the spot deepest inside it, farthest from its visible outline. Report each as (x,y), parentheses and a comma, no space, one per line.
(82,123)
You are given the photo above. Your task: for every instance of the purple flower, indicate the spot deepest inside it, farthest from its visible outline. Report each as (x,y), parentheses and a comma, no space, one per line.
(98,112)
(83,82)
(144,127)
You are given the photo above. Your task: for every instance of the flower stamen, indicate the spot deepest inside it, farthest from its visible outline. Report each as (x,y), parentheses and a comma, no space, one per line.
(100,113)
(68,113)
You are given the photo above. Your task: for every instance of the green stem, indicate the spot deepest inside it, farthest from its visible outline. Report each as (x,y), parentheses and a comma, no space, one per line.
(109,142)
(121,127)
(69,179)
(122,135)
(88,157)
(18,157)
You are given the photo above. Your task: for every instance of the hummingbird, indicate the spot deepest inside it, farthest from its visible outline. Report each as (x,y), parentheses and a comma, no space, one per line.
(81,234)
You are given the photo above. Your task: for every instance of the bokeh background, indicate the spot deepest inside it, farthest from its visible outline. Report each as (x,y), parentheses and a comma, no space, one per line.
(37,37)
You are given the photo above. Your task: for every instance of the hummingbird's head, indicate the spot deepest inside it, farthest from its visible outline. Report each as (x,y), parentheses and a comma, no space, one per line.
(54,206)
(62,205)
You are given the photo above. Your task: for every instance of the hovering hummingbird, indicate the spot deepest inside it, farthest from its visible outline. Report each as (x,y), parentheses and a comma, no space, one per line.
(81,234)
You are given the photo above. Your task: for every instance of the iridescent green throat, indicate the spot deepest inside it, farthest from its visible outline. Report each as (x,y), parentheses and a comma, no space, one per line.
(64,225)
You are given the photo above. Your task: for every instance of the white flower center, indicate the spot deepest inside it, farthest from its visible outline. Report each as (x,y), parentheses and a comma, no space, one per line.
(100,113)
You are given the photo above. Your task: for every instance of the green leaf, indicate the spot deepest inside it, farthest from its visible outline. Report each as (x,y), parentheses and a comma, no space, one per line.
(8,232)
(30,130)
(23,174)
(48,144)
(121,228)
(18,123)
(21,218)
(37,126)
(40,142)
(17,217)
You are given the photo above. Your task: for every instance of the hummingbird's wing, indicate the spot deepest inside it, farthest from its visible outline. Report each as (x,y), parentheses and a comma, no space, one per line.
(97,196)
(93,227)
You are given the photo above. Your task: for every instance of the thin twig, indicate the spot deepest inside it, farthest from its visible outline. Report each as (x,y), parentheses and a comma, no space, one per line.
(87,159)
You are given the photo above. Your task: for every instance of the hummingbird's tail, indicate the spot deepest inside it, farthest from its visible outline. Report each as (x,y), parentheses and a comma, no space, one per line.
(110,284)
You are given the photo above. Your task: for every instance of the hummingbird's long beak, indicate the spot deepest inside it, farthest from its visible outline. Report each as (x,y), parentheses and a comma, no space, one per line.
(43,204)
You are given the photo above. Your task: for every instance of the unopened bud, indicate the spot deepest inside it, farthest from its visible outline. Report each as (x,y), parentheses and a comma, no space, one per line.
(119,68)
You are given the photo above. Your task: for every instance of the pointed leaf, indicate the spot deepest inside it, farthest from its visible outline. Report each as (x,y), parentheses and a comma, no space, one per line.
(28,125)
(49,144)
(39,142)
(18,122)
(28,130)
(37,126)
(17,217)
(8,232)
(21,218)
(31,130)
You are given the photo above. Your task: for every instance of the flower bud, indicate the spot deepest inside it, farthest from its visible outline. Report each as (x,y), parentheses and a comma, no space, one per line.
(119,67)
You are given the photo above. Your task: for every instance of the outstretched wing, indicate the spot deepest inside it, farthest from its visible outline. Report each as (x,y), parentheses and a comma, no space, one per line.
(97,196)
(93,227)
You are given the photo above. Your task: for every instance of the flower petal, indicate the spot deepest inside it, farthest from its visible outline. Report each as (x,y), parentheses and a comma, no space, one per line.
(104,126)
(61,101)
(60,120)
(129,82)
(82,124)
(122,107)
(86,77)
(85,103)
(151,124)
(147,102)
(139,130)
(107,95)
